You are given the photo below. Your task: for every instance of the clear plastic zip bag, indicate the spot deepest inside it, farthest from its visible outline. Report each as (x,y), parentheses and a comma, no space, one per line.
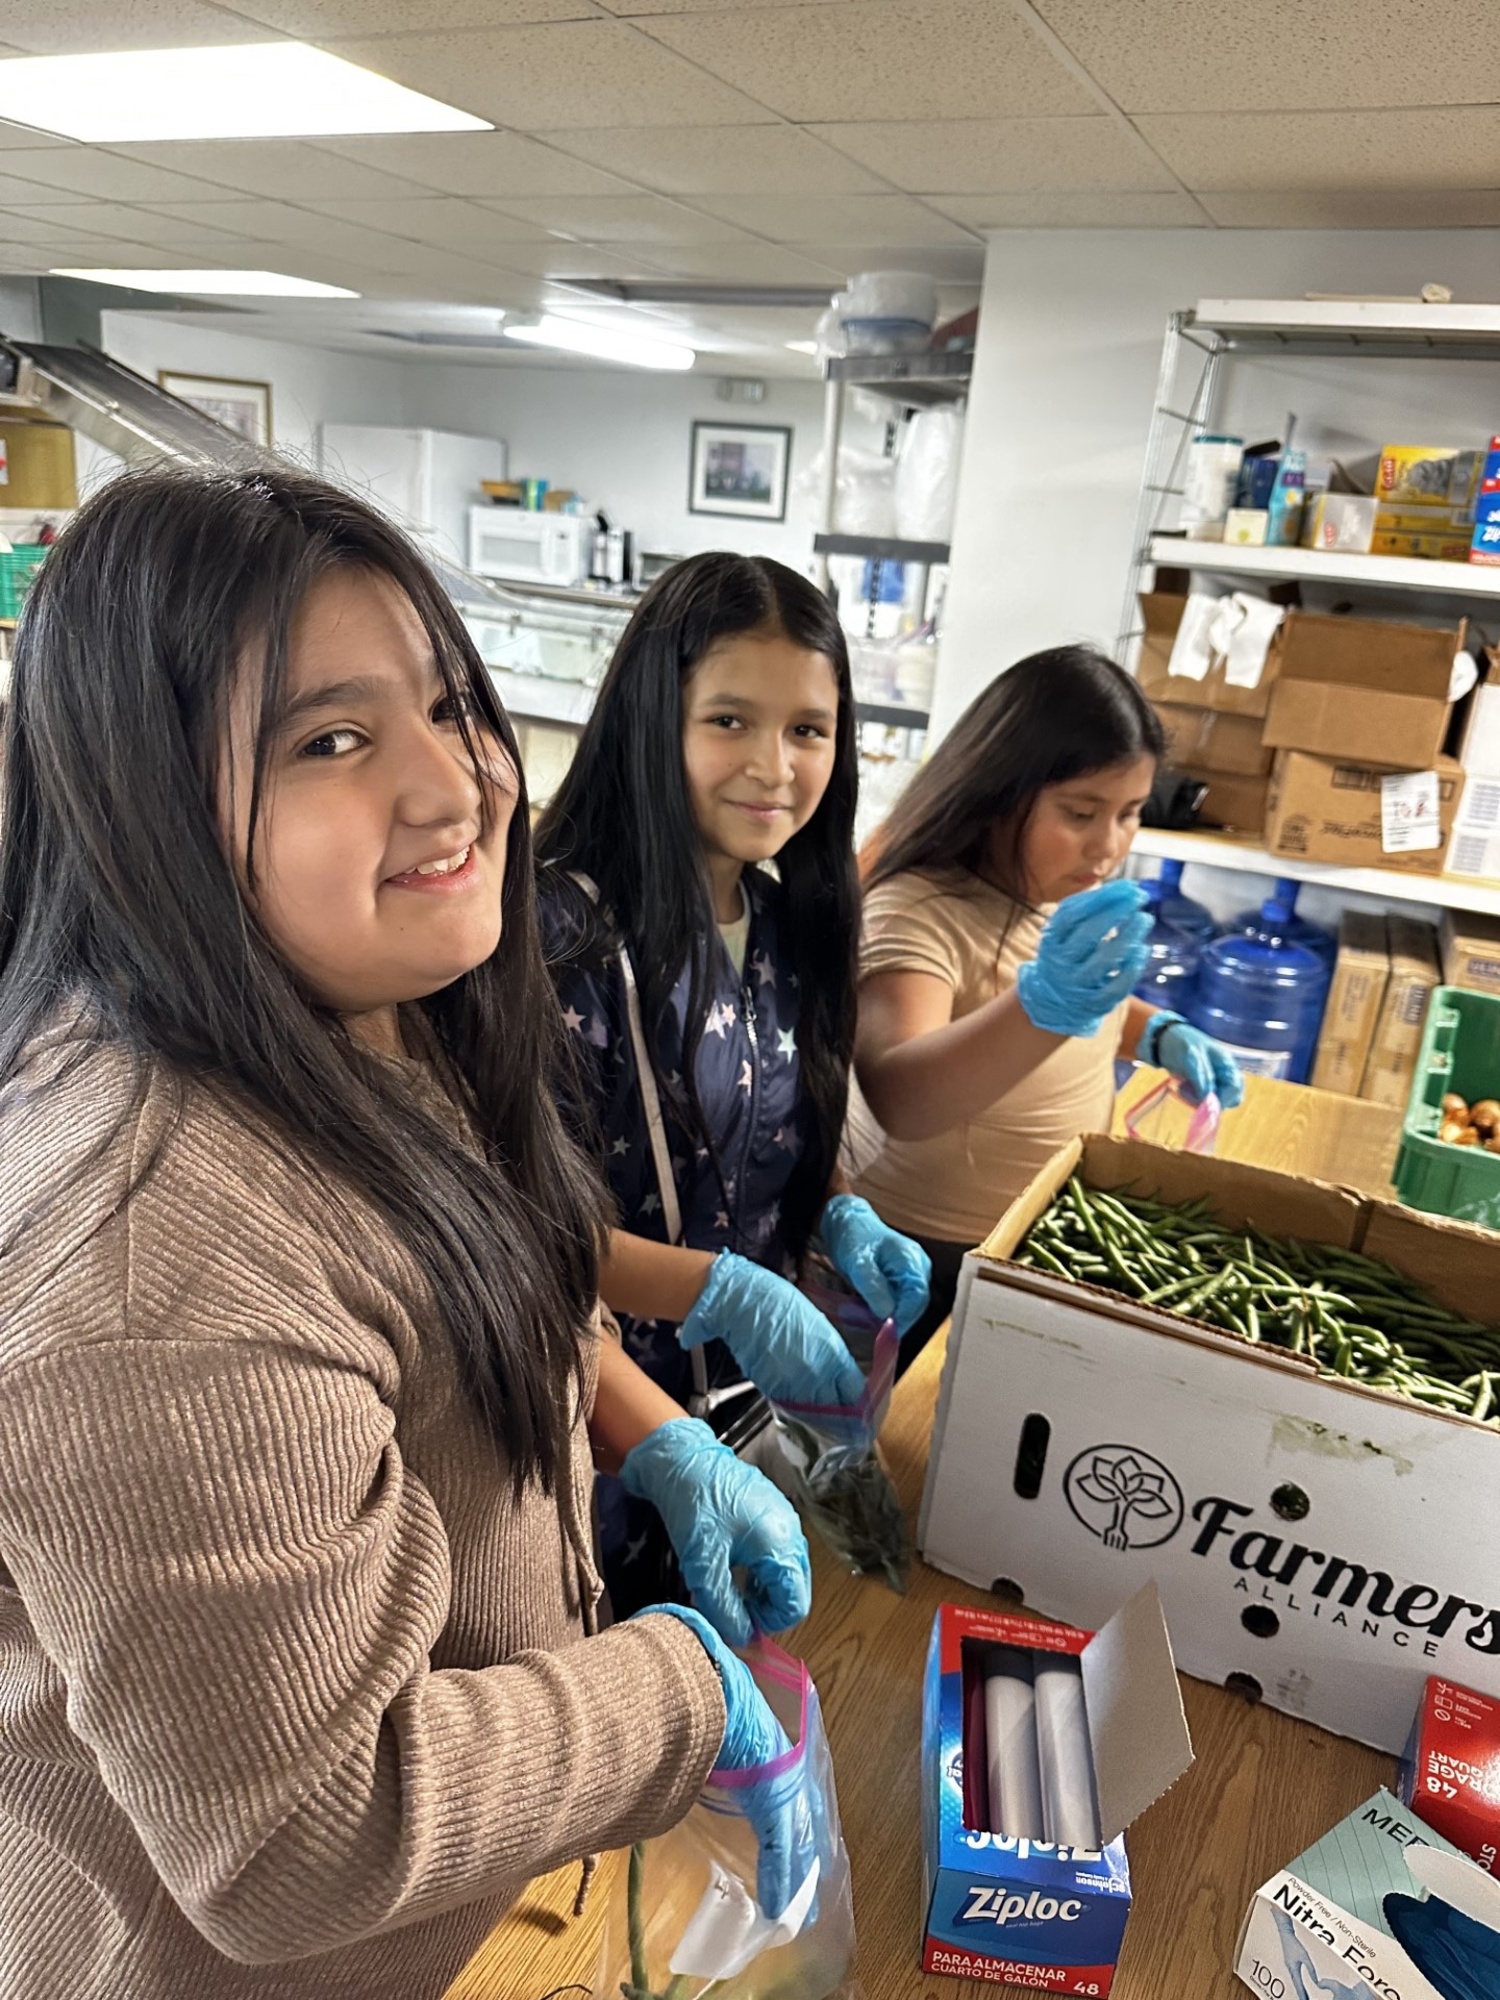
(833,1470)
(684,1923)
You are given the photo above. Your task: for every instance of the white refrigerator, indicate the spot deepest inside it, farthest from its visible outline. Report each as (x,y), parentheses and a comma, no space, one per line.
(427,480)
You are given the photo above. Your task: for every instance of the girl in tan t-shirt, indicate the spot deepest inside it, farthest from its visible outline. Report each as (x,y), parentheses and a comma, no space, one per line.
(995,991)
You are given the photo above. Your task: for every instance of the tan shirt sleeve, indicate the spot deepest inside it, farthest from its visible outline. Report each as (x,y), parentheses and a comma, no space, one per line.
(208,1516)
(905,930)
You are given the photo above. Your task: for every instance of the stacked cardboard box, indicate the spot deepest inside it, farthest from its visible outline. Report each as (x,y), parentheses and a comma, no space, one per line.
(1386,970)
(1475,847)
(1415,971)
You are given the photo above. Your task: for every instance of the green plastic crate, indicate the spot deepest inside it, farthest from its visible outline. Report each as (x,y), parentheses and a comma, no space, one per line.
(17,567)
(1460,1051)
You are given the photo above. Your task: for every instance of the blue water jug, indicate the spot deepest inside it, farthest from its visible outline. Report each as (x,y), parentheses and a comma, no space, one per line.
(1276,922)
(1263,1001)
(1178,935)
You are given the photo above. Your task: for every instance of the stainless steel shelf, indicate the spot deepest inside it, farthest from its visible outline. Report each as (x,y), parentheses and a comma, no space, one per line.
(915,380)
(1408,573)
(1377,328)
(1224,850)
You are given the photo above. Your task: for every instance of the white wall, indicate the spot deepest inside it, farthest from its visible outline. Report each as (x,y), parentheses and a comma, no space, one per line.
(1065,376)
(621,437)
(20,308)
(309,385)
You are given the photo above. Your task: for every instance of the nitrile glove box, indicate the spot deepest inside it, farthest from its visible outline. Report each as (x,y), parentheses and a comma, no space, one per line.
(1450,1772)
(1025,1912)
(1329,1924)
(1316,1541)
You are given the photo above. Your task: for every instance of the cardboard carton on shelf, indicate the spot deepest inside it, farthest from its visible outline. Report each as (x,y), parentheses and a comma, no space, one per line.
(1162,615)
(1360,974)
(1204,739)
(1085,1443)
(1348,814)
(1347,1917)
(1470,947)
(37,466)
(1362,689)
(1009,1908)
(1415,971)
(1479,746)
(1428,478)
(1233,805)
(1474,848)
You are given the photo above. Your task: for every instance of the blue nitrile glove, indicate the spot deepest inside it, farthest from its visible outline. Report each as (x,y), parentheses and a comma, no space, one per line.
(722,1515)
(1459,1956)
(783,1812)
(1088,959)
(889,1271)
(1196,1059)
(784,1344)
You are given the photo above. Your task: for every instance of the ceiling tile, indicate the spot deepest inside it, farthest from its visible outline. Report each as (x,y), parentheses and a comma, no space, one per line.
(579,260)
(19,224)
(89,170)
(34,194)
(868,58)
(320,19)
(641,218)
(1459,147)
(1288,55)
(571,73)
(842,218)
(494,164)
(281,169)
(1101,210)
(718,159)
(1355,208)
(78,27)
(442,220)
(747,263)
(26,137)
(950,266)
(241,218)
(1002,155)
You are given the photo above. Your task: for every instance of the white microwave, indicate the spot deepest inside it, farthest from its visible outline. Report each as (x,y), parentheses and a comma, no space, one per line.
(516,546)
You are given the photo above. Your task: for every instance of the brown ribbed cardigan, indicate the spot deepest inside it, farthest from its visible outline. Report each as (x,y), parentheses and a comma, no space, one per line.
(294,1695)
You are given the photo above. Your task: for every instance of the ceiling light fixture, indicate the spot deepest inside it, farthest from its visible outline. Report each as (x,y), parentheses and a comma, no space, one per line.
(800,346)
(689,292)
(214,284)
(603,343)
(258,90)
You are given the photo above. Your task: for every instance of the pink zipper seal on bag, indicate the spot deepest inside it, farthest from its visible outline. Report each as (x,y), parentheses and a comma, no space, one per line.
(1203,1127)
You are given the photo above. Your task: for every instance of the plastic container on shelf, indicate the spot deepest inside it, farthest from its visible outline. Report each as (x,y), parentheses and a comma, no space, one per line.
(1164,898)
(1264,1001)
(1460,1052)
(1178,935)
(1276,922)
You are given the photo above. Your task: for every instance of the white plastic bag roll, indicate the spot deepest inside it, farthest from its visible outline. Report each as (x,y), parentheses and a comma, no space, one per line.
(1070,1812)
(1010,1727)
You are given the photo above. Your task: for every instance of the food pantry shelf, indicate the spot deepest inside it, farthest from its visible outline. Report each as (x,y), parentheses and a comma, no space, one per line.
(881,548)
(1312,566)
(1215,850)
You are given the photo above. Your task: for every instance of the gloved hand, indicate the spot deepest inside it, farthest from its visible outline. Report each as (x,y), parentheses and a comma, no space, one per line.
(722,1515)
(1088,959)
(784,1344)
(1199,1061)
(783,1811)
(889,1271)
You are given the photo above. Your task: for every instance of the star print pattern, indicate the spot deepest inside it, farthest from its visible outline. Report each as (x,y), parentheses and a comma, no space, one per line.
(731,1178)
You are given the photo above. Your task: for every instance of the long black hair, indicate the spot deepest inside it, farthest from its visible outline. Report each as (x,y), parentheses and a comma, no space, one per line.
(1052,717)
(117,888)
(624,818)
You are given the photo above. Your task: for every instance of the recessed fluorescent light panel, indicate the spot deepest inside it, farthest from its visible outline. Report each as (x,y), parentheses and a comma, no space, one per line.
(213,284)
(801,346)
(603,343)
(259,90)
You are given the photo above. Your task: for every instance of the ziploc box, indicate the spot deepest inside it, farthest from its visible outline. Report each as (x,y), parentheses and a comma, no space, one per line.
(1026,1912)
(1320,1926)
(1450,1772)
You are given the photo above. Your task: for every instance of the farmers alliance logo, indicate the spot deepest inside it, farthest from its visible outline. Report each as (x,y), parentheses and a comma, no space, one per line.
(1130,1500)
(1124,1496)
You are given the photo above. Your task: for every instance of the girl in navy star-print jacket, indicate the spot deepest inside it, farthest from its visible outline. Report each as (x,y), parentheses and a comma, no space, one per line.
(706,828)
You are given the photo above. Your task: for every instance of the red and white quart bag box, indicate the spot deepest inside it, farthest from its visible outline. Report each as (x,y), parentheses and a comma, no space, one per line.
(1450,1772)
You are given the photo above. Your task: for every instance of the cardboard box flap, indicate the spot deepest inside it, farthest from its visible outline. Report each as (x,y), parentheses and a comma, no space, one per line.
(1137,1726)
(1457,1881)
(1365,653)
(1457,1262)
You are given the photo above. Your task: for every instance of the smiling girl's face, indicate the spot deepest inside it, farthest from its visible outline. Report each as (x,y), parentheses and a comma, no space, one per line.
(379,853)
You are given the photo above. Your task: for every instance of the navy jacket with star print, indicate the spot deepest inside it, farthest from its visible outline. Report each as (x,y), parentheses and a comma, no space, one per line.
(749,1085)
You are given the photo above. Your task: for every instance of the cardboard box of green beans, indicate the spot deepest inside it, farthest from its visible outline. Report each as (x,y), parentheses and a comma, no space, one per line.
(1277,1398)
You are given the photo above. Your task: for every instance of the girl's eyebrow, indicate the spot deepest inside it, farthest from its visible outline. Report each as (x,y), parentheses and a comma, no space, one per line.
(331,694)
(746,702)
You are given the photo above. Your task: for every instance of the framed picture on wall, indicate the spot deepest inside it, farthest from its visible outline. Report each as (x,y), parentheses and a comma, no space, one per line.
(740,469)
(243,406)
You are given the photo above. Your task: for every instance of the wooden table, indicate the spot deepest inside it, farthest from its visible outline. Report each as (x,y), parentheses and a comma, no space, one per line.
(1263,1788)
(1316,1133)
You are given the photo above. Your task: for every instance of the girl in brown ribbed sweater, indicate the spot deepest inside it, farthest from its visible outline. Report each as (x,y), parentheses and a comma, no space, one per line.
(300,1675)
